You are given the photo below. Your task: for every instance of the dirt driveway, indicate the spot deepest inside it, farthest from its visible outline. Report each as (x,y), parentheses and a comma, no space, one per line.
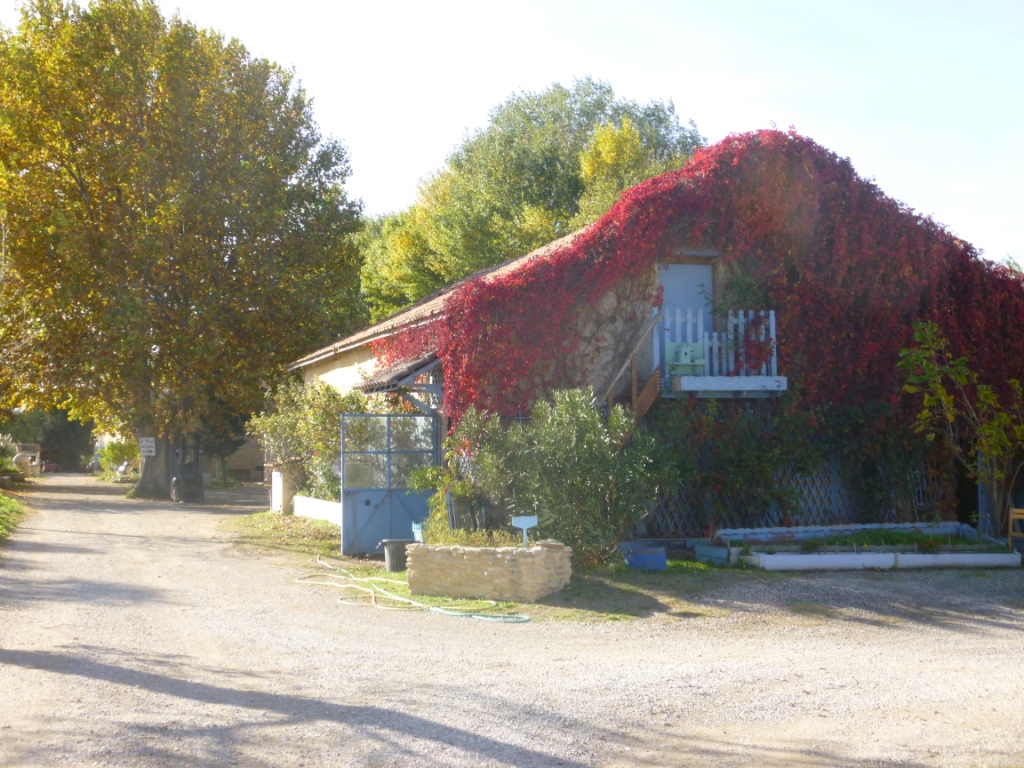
(136,634)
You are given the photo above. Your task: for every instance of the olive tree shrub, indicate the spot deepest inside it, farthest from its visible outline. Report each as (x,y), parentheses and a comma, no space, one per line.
(589,480)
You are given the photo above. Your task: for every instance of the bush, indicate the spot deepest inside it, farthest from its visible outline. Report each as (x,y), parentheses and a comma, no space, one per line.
(114,456)
(303,423)
(436,530)
(588,481)
(11,512)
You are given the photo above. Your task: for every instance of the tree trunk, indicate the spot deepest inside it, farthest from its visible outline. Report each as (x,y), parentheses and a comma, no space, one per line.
(155,475)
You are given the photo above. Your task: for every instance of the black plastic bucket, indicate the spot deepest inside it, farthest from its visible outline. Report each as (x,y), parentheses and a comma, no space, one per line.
(394,553)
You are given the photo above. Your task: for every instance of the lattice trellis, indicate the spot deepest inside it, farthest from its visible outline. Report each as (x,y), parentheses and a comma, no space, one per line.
(932,492)
(676,514)
(824,498)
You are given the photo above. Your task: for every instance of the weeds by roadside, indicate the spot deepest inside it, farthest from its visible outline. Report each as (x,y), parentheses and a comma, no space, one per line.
(11,513)
(287,533)
(301,535)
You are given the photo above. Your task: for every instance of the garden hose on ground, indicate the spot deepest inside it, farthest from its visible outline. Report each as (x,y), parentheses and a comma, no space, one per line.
(381,598)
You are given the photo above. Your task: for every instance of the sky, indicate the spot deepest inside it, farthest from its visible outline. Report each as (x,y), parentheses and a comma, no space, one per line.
(925,98)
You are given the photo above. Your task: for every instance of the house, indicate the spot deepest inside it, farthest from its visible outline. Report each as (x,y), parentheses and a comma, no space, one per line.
(764,265)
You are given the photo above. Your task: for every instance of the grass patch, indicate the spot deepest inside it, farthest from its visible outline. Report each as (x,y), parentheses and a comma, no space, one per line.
(614,593)
(288,533)
(11,513)
(892,540)
(374,576)
(301,535)
(620,593)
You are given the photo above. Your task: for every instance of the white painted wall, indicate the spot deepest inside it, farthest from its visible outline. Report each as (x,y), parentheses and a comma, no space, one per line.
(317,509)
(344,371)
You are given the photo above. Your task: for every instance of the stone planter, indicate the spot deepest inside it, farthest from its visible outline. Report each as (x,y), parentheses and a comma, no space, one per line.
(515,574)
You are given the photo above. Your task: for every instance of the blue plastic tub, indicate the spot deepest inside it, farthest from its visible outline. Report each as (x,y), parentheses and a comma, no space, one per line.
(648,558)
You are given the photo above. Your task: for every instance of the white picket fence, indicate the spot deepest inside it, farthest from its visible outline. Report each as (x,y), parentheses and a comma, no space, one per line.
(725,353)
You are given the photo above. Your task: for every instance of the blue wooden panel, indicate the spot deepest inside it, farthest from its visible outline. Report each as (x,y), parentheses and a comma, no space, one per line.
(369,516)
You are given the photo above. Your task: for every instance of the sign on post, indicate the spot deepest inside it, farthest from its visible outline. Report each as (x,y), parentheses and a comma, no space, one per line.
(526,522)
(147,446)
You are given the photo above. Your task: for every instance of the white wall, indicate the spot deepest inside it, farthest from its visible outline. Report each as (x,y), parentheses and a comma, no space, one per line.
(317,509)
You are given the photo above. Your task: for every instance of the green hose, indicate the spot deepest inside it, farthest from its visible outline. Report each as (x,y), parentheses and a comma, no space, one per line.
(407,604)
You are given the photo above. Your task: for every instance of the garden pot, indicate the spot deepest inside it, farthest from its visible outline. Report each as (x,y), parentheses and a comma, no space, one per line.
(394,553)
(647,558)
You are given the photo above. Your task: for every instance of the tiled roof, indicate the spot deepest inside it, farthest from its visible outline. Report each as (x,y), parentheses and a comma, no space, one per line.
(427,308)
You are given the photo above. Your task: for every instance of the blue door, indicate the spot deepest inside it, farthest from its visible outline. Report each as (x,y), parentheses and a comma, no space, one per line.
(688,286)
(379,453)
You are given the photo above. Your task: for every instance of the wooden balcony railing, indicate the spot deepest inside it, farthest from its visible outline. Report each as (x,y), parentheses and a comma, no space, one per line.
(742,358)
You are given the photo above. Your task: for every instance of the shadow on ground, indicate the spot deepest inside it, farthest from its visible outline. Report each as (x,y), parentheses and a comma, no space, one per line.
(387,735)
(390,727)
(958,599)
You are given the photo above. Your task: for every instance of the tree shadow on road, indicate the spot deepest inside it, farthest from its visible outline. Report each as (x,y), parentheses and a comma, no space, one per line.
(964,600)
(335,732)
(388,727)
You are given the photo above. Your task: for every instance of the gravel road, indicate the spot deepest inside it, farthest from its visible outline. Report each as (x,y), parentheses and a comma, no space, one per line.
(138,634)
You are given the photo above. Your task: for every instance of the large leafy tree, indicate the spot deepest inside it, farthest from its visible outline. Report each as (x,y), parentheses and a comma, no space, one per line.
(546,164)
(176,227)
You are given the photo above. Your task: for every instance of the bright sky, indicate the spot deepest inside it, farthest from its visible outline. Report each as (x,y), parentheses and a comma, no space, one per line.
(924,96)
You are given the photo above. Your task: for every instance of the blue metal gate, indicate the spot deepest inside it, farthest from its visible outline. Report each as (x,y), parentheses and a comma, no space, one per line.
(379,453)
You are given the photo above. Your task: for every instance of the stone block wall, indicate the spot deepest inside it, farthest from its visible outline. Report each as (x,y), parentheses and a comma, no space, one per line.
(513,574)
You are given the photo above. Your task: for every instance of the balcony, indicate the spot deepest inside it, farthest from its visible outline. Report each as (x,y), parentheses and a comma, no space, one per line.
(740,361)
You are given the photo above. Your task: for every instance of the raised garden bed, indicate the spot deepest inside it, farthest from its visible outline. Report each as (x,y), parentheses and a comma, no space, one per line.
(939,545)
(843,561)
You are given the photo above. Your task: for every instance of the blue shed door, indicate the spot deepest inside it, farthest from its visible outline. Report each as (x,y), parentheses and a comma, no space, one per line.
(688,286)
(379,453)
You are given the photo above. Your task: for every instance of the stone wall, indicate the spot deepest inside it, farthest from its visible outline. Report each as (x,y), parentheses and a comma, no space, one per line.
(514,574)
(609,331)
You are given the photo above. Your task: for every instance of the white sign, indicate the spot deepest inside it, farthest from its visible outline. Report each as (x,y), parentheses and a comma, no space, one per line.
(147,446)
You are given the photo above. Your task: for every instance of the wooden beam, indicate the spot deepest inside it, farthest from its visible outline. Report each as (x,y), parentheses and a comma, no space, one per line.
(650,393)
(632,363)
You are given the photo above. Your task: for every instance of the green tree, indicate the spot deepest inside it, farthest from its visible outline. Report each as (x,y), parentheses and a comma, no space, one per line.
(546,164)
(64,441)
(984,434)
(177,229)
(302,424)
(617,158)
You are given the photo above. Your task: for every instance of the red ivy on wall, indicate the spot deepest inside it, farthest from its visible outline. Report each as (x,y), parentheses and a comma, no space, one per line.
(847,270)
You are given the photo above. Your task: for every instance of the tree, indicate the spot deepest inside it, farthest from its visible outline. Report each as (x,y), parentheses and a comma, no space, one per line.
(177,229)
(617,158)
(64,441)
(589,480)
(302,425)
(546,164)
(984,435)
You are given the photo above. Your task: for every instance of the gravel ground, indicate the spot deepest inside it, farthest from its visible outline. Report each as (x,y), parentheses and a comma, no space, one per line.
(137,634)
